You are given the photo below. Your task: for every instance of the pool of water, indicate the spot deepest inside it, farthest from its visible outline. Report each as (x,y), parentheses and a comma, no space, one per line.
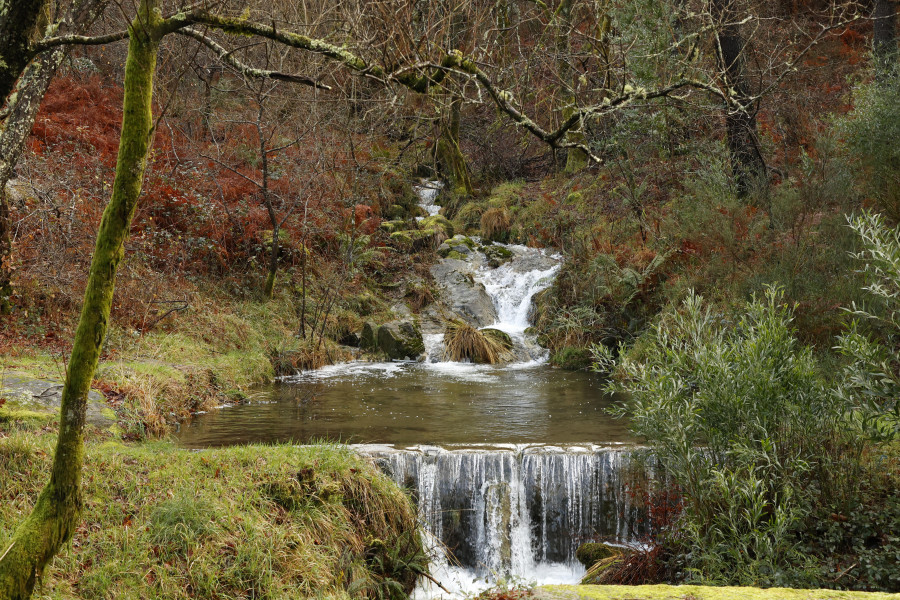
(419,403)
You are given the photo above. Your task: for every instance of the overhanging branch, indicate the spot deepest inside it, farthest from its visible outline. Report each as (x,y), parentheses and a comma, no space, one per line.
(228,57)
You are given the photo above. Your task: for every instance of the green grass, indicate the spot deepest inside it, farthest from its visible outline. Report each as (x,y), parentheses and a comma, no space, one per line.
(242,522)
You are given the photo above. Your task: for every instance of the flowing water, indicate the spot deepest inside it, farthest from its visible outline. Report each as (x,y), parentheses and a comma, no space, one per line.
(512,466)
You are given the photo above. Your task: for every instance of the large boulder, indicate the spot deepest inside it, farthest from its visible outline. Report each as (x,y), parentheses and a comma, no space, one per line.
(462,294)
(400,340)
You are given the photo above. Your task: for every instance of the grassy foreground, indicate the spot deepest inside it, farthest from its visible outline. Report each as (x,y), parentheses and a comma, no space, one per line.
(696,592)
(242,522)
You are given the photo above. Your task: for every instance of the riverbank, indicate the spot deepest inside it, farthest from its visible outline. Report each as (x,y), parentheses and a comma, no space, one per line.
(251,521)
(212,352)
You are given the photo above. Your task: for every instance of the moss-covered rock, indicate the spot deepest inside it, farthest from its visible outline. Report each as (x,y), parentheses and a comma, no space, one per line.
(396,211)
(496,255)
(591,553)
(392,226)
(438,222)
(400,340)
(418,239)
(501,337)
(572,358)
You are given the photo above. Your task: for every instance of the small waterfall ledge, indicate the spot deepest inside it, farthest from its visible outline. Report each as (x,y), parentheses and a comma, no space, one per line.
(516,511)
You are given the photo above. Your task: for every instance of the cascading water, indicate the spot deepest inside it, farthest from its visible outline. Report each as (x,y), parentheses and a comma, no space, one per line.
(515,511)
(511,511)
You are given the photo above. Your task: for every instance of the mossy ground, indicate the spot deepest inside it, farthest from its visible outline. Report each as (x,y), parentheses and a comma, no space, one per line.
(696,592)
(241,522)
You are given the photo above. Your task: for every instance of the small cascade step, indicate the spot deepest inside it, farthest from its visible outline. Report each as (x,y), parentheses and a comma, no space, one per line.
(510,510)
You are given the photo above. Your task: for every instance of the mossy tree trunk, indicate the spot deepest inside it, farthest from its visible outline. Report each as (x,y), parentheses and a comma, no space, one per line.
(58,507)
(884,37)
(747,164)
(562,21)
(448,157)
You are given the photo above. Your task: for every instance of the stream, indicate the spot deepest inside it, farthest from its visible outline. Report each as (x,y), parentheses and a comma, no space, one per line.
(513,466)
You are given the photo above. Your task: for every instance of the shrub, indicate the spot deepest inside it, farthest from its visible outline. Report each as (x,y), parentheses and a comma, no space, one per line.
(740,421)
(871,380)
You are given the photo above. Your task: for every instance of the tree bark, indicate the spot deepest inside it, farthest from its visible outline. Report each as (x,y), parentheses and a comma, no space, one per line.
(21,108)
(747,164)
(884,37)
(448,157)
(56,513)
(18,19)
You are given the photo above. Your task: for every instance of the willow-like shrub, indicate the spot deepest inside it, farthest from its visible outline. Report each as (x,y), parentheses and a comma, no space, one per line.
(738,418)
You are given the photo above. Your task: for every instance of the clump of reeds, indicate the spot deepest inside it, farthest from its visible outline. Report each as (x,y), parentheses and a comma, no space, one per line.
(464,342)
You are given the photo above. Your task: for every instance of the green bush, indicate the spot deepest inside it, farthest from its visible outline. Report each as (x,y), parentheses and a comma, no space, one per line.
(740,420)
(871,380)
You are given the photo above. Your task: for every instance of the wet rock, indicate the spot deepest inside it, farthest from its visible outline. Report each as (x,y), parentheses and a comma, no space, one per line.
(400,340)
(462,294)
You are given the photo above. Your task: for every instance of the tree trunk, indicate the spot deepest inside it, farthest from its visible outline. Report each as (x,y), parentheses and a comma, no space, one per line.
(5,253)
(21,110)
(562,21)
(448,157)
(747,164)
(269,290)
(18,19)
(884,38)
(58,508)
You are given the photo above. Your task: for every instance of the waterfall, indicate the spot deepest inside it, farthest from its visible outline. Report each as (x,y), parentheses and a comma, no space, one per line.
(515,510)
(510,286)
(428,192)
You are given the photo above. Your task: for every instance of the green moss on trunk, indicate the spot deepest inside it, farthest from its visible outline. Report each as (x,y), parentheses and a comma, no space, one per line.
(58,508)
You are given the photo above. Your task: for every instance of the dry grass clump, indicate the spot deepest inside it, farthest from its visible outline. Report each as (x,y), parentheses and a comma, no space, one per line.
(495,224)
(464,342)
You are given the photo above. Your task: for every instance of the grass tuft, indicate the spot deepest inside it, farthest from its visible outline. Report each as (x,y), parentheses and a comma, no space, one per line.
(495,224)
(464,342)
